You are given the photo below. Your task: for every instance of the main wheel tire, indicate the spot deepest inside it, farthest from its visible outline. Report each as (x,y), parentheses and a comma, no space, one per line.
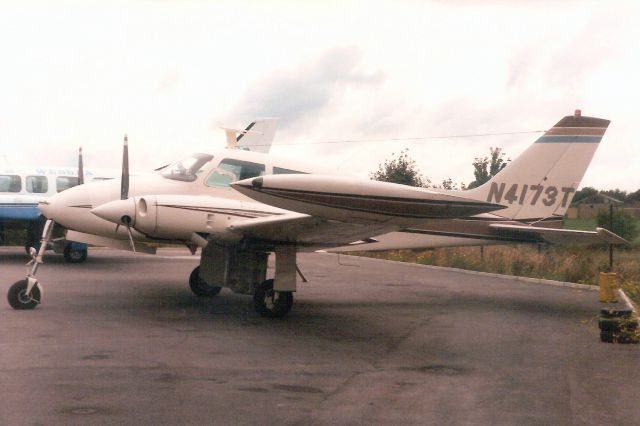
(265,304)
(74,256)
(200,287)
(18,298)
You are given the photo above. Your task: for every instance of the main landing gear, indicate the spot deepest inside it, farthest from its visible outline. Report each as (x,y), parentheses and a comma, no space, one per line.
(270,303)
(266,301)
(200,287)
(26,293)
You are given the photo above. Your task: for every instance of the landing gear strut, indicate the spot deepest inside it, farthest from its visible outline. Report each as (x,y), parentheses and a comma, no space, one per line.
(26,293)
(270,303)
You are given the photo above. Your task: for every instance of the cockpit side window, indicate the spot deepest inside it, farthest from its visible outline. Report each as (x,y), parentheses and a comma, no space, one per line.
(10,183)
(187,170)
(230,170)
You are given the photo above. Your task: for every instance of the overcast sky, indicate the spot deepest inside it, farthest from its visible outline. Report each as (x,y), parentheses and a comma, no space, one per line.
(169,73)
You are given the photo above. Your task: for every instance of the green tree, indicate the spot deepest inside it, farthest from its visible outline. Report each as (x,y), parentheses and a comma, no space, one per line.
(618,194)
(401,169)
(484,168)
(634,197)
(450,184)
(624,223)
(584,193)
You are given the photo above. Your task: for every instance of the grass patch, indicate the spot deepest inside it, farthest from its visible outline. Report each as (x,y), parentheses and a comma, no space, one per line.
(571,264)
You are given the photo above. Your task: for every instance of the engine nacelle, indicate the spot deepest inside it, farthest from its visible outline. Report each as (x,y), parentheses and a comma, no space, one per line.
(177,217)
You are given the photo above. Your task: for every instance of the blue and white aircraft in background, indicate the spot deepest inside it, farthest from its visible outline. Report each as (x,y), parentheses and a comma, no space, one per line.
(22,188)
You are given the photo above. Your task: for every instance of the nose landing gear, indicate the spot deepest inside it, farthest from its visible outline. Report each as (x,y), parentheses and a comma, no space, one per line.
(26,293)
(21,297)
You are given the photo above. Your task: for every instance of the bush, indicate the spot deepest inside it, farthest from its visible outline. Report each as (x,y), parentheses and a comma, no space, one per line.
(624,224)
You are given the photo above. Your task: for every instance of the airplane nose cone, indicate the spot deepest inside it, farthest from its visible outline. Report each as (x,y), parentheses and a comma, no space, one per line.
(121,212)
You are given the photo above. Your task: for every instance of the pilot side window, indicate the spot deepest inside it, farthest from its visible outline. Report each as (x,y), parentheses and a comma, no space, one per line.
(10,183)
(230,170)
(65,182)
(37,184)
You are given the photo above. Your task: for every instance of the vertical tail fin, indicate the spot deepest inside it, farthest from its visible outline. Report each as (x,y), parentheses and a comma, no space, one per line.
(542,181)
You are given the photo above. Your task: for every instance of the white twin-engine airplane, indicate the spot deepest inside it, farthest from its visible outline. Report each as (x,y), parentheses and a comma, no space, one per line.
(239,206)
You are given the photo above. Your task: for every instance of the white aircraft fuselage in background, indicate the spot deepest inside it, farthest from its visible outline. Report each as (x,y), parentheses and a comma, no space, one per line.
(22,188)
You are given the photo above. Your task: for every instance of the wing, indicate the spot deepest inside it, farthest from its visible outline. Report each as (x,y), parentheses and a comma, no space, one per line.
(304,230)
(494,233)
(555,236)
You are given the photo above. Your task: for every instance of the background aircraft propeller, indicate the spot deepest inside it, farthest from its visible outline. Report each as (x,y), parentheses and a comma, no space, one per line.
(80,168)
(124,183)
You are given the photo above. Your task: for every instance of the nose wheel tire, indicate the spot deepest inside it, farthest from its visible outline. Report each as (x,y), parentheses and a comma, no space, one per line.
(19,299)
(200,287)
(272,304)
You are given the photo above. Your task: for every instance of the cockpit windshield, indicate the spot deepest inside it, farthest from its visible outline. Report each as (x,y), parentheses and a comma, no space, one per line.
(187,170)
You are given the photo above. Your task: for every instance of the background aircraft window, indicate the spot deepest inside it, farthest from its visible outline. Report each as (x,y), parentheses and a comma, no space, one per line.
(37,184)
(186,170)
(65,182)
(10,183)
(283,171)
(230,170)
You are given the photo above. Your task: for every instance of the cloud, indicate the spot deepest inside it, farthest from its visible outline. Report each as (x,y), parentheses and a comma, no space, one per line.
(293,95)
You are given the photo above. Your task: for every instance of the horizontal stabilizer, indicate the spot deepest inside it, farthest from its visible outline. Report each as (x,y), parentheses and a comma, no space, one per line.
(555,236)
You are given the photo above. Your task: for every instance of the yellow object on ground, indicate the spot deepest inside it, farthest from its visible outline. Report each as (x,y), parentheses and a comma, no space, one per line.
(608,282)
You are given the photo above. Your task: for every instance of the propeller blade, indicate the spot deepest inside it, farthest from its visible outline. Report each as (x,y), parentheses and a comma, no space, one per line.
(80,168)
(124,184)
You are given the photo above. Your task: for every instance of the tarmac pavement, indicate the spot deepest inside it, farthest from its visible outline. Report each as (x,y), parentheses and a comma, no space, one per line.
(120,339)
